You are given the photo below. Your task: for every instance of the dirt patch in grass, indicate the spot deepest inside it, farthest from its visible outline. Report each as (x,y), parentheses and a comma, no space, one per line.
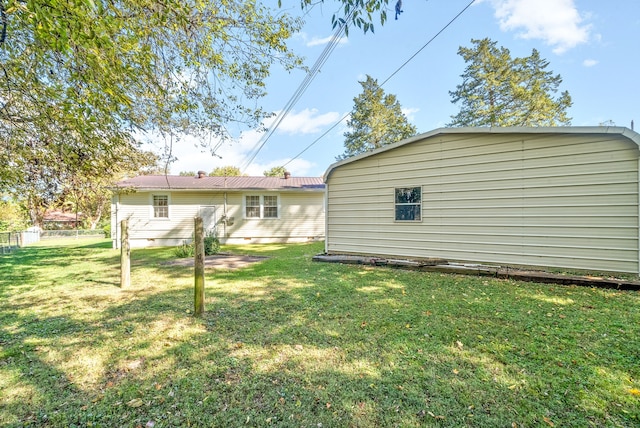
(221,261)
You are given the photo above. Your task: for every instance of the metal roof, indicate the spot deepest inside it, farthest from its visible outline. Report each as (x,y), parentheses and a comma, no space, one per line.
(175,182)
(619,130)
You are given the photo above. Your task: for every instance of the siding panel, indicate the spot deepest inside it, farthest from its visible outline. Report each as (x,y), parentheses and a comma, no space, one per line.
(552,199)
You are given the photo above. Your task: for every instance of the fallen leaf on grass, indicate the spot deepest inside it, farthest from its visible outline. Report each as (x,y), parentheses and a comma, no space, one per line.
(136,402)
(635,391)
(436,416)
(548,421)
(459,344)
(455,371)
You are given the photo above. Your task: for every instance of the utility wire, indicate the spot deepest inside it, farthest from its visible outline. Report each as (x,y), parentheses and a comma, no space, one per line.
(386,80)
(324,56)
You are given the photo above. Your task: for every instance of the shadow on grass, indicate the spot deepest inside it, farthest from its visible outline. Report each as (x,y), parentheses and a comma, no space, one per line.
(288,342)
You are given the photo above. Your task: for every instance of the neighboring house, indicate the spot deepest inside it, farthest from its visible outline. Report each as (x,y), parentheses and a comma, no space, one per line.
(61,220)
(563,197)
(161,209)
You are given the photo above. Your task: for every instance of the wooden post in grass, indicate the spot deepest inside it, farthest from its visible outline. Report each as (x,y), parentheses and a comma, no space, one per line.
(199,268)
(125,255)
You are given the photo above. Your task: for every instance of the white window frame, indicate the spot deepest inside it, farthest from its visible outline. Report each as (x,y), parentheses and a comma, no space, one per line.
(261,197)
(152,211)
(396,204)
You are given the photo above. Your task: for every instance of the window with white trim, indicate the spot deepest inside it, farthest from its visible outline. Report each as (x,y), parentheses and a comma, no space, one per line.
(408,203)
(160,206)
(261,206)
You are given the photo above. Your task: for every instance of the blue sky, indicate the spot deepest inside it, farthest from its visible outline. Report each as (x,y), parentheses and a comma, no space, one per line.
(593,45)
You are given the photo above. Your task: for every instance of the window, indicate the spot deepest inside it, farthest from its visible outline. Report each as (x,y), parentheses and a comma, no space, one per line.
(160,206)
(408,203)
(270,206)
(258,206)
(253,206)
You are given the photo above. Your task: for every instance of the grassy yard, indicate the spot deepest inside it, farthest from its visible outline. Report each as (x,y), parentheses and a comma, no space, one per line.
(293,343)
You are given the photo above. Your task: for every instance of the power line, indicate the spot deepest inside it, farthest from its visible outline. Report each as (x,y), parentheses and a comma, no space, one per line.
(324,56)
(387,79)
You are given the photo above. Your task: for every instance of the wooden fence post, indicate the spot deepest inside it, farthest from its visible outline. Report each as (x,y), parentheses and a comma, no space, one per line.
(125,255)
(199,268)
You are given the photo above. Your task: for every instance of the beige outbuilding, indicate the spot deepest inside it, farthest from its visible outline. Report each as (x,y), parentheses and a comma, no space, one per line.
(561,197)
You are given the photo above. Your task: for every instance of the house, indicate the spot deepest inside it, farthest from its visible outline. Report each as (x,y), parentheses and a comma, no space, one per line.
(561,197)
(160,209)
(59,219)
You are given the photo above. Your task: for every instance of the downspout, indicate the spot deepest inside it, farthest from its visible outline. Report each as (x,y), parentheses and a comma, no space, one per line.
(224,227)
(117,243)
(638,217)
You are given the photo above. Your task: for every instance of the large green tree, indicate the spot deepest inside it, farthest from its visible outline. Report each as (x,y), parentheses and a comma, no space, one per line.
(276,171)
(92,74)
(498,90)
(82,80)
(226,171)
(376,120)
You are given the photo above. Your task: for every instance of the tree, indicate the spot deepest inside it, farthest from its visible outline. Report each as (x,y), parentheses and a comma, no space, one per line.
(91,75)
(226,171)
(52,182)
(498,90)
(376,120)
(12,216)
(276,171)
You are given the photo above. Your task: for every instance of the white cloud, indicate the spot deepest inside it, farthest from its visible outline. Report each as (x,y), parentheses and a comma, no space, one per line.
(315,41)
(589,62)
(192,156)
(409,113)
(557,22)
(307,121)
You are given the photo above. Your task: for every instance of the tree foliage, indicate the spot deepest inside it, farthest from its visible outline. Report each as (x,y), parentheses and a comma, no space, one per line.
(376,120)
(80,81)
(226,171)
(360,13)
(498,90)
(276,171)
(12,216)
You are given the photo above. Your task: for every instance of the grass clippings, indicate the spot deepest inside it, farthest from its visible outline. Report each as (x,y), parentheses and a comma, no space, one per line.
(292,343)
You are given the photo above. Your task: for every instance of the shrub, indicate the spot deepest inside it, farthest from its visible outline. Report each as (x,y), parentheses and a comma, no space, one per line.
(107,230)
(185,250)
(211,246)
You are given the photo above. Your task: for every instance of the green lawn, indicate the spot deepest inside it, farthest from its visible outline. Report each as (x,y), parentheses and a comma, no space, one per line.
(293,343)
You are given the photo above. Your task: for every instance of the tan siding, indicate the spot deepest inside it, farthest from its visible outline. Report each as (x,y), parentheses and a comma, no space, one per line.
(301,218)
(551,200)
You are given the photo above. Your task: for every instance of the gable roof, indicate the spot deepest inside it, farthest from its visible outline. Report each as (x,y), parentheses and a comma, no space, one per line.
(182,183)
(567,130)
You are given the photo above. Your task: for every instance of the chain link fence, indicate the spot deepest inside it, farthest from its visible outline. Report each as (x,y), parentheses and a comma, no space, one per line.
(9,241)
